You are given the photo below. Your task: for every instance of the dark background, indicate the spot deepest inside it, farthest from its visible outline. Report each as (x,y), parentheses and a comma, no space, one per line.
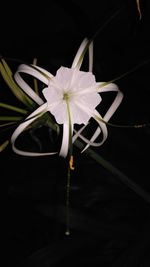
(109,220)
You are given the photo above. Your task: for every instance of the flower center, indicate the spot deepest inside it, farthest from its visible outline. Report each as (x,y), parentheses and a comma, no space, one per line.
(67,96)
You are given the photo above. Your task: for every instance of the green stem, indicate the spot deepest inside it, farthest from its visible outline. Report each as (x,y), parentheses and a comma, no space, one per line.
(70,168)
(68,202)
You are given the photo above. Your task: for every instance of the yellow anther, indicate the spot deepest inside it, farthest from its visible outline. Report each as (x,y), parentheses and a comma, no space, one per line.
(71,163)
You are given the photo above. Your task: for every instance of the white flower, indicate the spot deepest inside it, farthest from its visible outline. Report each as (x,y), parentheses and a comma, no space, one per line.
(72,96)
(69,92)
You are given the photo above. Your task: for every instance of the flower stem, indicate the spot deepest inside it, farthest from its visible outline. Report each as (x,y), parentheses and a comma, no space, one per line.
(68,201)
(70,168)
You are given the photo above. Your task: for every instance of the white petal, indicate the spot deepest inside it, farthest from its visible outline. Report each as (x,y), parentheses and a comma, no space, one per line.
(51,94)
(100,129)
(27,89)
(22,127)
(114,106)
(111,87)
(91,100)
(91,57)
(90,142)
(65,140)
(78,58)
(56,105)
(78,114)
(36,72)
(83,80)
(107,87)
(64,77)
(78,107)
(59,110)
(43,71)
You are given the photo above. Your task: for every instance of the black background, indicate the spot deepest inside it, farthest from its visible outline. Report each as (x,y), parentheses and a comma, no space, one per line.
(109,220)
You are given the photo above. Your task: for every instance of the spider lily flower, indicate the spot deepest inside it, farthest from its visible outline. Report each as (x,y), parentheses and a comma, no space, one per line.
(72,96)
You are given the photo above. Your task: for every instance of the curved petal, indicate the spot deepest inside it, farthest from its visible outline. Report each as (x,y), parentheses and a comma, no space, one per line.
(43,71)
(101,128)
(33,116)
(90,142)
(78,58)
(27,89)
(65,141)
(110,87)
(91,57)
(107,88)
(36,72)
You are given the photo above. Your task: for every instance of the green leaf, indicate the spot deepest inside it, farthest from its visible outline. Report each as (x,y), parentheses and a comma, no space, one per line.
(7,76)
(19,110)
(4,145)
(10,118)
(34,79)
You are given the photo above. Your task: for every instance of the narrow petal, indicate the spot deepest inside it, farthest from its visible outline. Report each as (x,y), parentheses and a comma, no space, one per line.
(106,87)
(91,57)
(114,106)
(36,72)
(22,127)
(44,72)
(27,89)
(111,87)
(65,141)
(101,128)
(79,55)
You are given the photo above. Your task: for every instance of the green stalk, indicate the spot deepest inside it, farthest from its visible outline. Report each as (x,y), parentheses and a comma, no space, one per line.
(70,168)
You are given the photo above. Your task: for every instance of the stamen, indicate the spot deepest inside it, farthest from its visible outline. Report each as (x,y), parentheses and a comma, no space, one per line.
(71,163)
(70,168)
